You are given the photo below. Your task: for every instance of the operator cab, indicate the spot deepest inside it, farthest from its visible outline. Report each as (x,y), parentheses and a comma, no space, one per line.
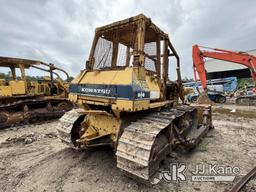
(127,67)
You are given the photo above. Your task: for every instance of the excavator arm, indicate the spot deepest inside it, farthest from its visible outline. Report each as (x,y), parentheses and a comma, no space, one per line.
(225,55)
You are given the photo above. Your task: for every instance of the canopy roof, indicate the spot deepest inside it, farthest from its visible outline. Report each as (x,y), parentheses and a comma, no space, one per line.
(126,30)
(14,62)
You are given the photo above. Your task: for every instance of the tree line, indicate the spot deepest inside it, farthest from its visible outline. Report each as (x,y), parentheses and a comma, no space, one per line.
(8,77)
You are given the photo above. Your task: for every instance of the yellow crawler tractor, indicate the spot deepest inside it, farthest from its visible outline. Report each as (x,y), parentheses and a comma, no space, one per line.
(23,101)
(126,100)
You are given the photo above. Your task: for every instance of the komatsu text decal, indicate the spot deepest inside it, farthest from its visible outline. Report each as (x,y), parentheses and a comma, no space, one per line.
(94,90)
(110,91)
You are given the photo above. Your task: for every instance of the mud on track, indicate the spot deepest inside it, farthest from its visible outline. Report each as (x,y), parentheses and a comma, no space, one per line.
(33,159)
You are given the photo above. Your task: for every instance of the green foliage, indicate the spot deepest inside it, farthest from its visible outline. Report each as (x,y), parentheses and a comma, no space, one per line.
(186,79)
(5,76)
(33,78)
(244,82)
(70,79)
(8,77)
(203,145)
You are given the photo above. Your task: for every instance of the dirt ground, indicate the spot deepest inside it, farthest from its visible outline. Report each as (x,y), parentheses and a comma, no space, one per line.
(33,159)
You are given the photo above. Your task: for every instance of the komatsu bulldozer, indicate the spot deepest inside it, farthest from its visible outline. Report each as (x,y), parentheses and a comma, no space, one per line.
(23,101)
(127,101)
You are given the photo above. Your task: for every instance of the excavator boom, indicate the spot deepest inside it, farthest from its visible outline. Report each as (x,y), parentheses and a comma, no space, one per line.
(242,58)
(221,54)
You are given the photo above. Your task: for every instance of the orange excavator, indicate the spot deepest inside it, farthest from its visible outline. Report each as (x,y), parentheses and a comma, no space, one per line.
(225,55)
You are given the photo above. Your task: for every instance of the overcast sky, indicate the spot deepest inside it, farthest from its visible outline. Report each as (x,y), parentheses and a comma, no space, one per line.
(61,31)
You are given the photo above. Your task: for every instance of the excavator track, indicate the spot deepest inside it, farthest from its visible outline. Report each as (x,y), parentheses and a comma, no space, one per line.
(32,110)
(143,145)
(246,100)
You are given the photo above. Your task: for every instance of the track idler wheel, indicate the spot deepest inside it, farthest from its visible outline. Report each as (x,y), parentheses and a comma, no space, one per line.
(49,107)
(160,143)
(64,106)
(3,117)
(76,130)
(161,149)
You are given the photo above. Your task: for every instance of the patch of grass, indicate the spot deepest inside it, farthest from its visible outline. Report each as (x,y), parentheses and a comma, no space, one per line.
(203,146)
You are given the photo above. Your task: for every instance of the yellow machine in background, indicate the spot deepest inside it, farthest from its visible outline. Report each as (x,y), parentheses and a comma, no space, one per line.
(126,100)
(22,100)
